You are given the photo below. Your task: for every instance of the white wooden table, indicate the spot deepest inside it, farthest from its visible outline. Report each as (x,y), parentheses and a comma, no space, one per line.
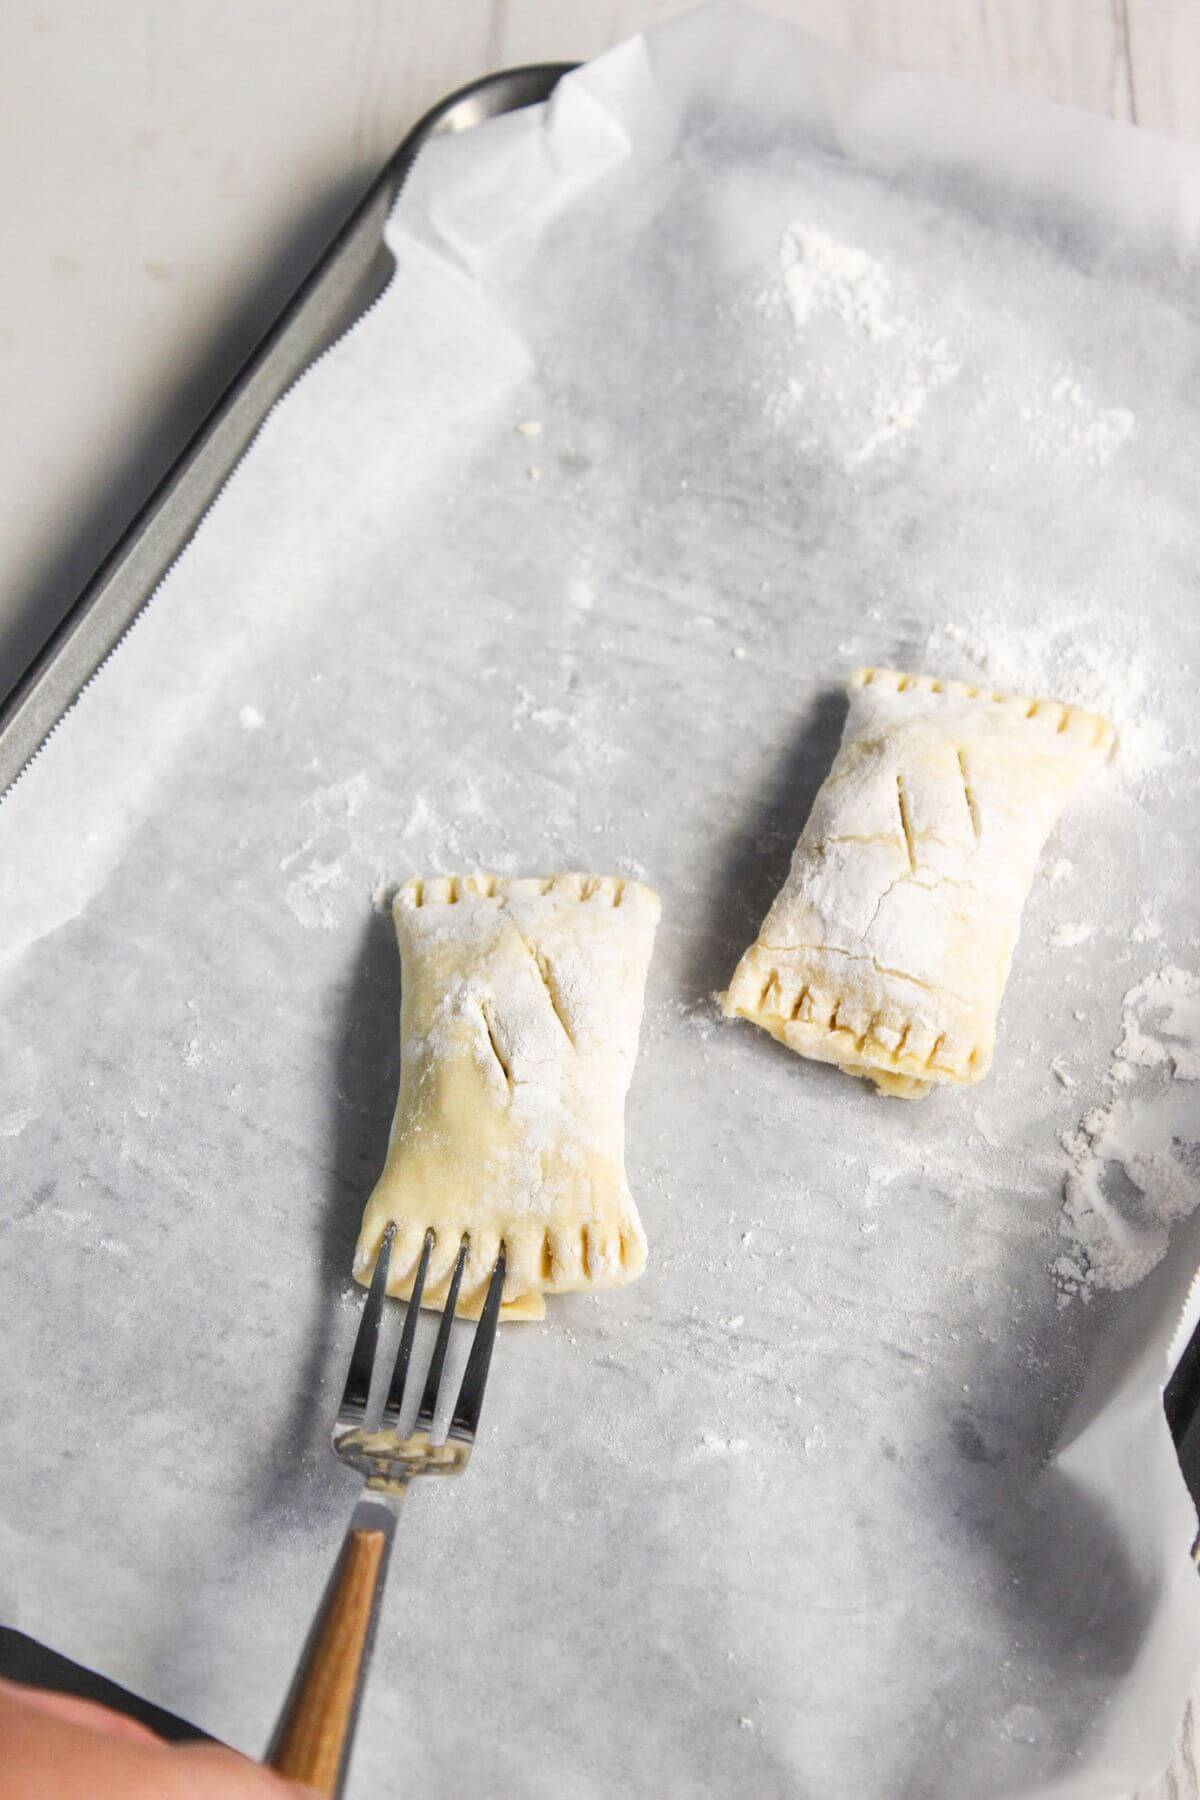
(170,168)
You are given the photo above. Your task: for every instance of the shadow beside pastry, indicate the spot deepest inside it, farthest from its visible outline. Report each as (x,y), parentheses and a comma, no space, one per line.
(750,863)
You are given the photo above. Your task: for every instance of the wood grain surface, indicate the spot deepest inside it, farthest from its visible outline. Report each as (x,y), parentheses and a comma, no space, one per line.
(310,1748)
(170,169)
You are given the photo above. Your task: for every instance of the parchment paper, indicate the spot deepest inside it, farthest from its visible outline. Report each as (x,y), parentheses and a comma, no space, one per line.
(845,1497)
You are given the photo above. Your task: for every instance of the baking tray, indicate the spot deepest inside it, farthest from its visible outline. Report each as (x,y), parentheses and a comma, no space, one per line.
(349,277)
(351,274)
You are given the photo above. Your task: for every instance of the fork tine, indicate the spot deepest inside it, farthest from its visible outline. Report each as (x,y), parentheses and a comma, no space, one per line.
(395,1393)
(433,1380)
(353,1409)
(469,1404)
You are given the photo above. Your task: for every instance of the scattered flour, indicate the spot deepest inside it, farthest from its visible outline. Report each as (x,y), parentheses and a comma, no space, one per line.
(419,819)
(576,715)
(868,350)
(1063,422)
(1147,928)
(251,719)
(310,895)
(702,1019)
(1066,937)
(1175,995)
(821,274)
(528,712)
(1059,871)
(1064,652)
(875,353)
(719,1446)
(1134,1159)
(341,801)
(14,1123)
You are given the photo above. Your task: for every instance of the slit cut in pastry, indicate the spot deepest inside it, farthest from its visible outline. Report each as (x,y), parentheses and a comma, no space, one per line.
(520,1006)
(888,947)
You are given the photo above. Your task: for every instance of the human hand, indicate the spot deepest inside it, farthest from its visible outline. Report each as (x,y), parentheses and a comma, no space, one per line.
(54,1747)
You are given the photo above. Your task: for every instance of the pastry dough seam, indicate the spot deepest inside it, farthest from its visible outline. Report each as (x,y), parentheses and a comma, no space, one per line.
(1066,716)
(883,1055)
(499,887)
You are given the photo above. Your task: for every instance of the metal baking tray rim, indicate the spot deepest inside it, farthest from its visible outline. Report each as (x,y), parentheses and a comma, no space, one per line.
(348,280)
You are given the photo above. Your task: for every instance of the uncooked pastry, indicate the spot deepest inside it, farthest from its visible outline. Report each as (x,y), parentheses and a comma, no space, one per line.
(888,947)
(519,1014)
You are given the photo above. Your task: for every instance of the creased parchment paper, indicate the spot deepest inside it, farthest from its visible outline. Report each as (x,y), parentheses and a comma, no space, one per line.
(738,365)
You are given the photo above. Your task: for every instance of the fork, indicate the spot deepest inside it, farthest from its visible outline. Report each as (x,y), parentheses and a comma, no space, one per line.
(315,1733)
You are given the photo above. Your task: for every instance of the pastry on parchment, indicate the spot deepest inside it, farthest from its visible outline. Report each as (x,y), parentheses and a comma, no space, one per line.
(521,1002)
(888,946)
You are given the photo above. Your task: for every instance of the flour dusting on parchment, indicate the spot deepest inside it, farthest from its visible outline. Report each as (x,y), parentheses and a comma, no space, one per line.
(1072,652)
(873,355)
(1134,1158)
(1063,420)
(875,350)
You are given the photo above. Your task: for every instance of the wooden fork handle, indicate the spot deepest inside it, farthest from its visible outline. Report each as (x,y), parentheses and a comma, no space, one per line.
(313,1738)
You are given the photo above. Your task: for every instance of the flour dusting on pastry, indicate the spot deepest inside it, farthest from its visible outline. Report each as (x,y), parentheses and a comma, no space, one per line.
(887,950)
(520,1007)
